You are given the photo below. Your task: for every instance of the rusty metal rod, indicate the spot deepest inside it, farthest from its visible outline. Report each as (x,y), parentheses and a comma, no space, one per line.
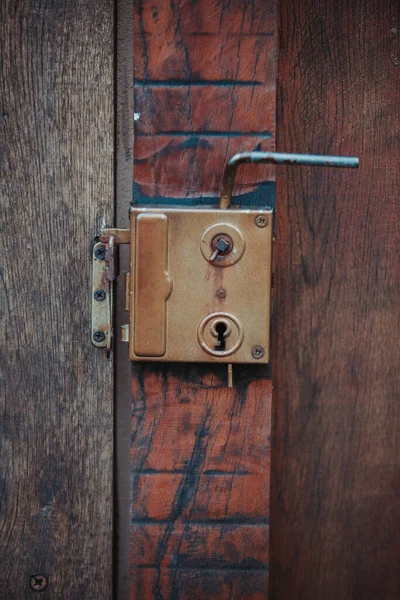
(277,158)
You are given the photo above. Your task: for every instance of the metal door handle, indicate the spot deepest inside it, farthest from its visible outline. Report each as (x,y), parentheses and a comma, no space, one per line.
(277,158)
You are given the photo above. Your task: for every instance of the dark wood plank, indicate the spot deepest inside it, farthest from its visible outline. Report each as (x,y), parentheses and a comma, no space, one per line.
(57,191)
(336,448)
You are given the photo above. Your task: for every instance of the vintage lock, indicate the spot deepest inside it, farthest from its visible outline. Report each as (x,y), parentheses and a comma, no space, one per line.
(199,285)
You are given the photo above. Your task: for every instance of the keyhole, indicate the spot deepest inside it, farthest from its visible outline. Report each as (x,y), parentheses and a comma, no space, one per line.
(220,328)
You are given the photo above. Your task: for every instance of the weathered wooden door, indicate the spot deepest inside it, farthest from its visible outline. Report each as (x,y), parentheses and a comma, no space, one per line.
(335,484)
(204,79)
(196,82)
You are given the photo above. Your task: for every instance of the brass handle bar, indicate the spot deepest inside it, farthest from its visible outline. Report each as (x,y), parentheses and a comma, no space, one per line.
(277,158)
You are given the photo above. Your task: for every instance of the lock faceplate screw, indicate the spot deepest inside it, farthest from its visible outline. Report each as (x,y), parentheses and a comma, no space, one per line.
(261,221)
(99,295)
(100,253)
(99,336)
(38,583)
(257,352)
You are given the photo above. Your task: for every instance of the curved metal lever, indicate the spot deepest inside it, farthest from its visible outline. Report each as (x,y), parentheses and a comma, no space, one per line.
(277,158)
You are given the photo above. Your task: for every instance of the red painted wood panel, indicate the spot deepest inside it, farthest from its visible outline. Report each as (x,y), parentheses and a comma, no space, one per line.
(191,166)
(200,584)
(204,72)
(204,90)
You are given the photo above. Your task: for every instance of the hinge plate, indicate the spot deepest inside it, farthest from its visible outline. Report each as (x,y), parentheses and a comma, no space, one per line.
(101,297)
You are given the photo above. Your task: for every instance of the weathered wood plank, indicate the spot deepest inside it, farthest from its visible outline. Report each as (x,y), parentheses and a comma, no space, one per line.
(200,469)
(220,496)
(200,584)
(191,166)
(204,110)
(56,192)
(172,415)
(206,40)
(200,545)
(205,89)
(336,447)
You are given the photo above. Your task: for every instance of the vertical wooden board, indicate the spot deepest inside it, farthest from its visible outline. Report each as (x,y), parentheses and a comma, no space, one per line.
(56,192)
(204,89)
(204,80)
(336,447)
(200,482)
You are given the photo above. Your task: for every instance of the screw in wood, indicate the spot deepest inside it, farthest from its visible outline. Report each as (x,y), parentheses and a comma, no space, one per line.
(257,352)
(100,253)
(99,295)
(38,583)
(99,336)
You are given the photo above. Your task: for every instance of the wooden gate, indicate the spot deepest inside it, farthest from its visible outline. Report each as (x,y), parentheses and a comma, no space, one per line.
(195,83)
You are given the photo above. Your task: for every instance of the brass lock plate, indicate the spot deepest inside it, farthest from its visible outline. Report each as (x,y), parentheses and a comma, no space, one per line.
(200,284)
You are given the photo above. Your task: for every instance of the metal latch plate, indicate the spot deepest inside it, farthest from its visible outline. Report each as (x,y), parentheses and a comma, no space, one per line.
(193,297)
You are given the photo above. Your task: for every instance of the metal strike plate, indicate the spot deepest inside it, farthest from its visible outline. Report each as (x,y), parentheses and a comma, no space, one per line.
(200,284)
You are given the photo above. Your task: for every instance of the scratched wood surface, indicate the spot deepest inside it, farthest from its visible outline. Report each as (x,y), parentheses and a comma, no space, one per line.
(200,483)
(56,148)
(204,89)
(335,490)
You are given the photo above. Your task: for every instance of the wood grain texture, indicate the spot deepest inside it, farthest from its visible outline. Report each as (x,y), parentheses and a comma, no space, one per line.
(204,90)
(336,447)
(56,192)
(200,483)
(204,80)
(123,395)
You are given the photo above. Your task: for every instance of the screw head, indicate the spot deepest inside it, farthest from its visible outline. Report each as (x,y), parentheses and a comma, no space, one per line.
(99,295)
(257,352)
(38,583)
(261,221)
(221,293)
(100,253)
(99,336)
